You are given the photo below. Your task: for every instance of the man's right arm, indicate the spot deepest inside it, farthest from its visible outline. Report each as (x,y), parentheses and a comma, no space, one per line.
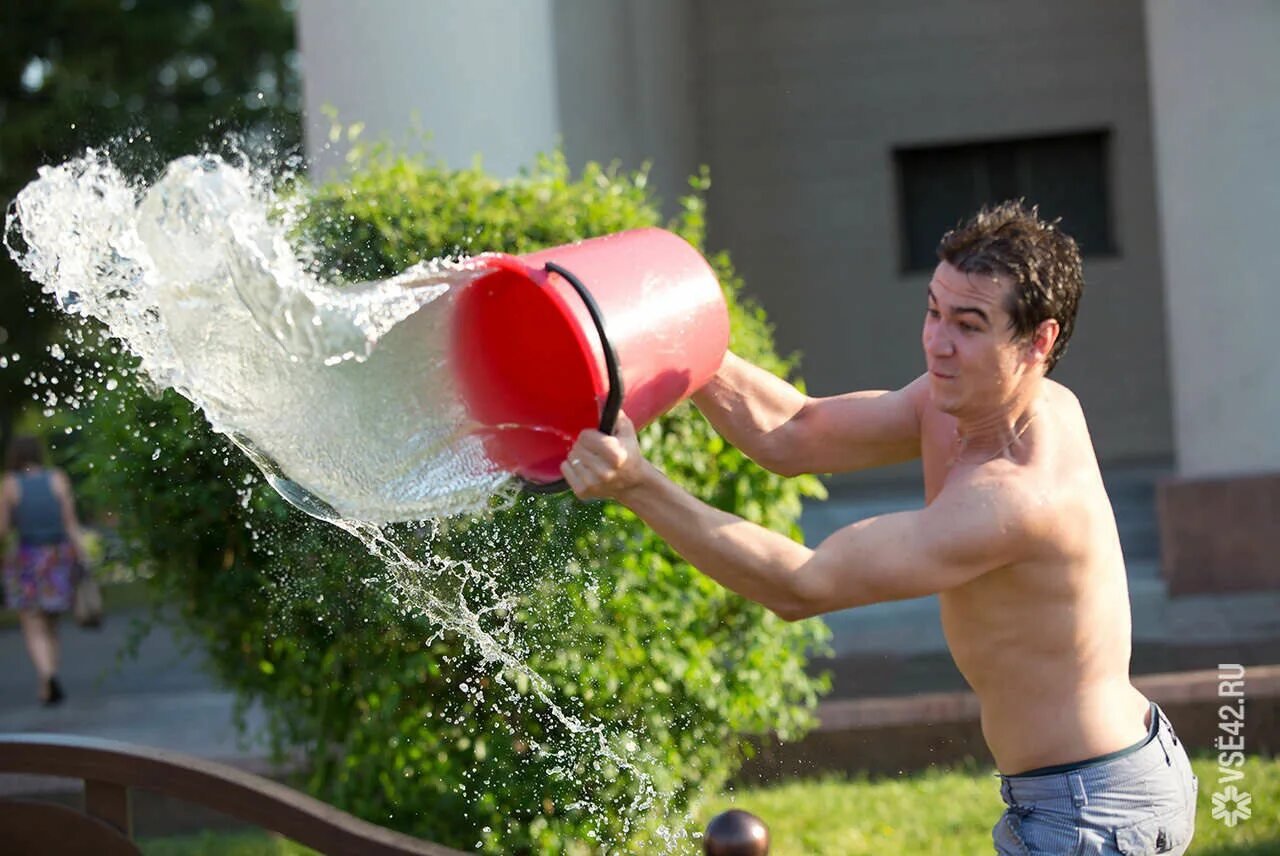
(786,431)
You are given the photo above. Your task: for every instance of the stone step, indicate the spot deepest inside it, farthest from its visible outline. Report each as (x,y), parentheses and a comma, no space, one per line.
(916,732)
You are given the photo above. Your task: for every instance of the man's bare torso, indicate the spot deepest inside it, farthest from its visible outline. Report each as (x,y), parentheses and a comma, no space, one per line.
(1044,642)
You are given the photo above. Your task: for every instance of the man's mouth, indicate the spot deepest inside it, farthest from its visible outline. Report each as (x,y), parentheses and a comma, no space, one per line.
(940,376)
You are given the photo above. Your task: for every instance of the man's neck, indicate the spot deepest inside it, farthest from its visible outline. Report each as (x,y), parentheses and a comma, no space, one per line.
(997,431)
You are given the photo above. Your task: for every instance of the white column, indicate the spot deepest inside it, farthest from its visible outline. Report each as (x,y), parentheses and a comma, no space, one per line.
(479,76)
(1215,81)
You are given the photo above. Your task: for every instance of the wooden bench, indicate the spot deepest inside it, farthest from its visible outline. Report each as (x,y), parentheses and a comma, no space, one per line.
(110,769)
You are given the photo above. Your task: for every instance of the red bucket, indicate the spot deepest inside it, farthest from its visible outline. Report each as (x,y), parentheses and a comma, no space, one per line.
(546,345)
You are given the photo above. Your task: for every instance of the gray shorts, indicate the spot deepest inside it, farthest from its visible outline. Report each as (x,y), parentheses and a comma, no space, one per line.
(1143,802)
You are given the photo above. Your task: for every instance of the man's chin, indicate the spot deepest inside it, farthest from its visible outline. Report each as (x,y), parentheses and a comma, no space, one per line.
(948,404)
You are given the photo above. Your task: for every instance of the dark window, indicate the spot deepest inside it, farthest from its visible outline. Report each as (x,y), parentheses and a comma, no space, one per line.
(1065,175)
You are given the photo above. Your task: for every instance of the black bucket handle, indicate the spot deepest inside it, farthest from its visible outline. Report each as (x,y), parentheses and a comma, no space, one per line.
(612,401)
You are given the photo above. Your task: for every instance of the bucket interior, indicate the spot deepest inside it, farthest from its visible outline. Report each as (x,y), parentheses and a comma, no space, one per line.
(524,370)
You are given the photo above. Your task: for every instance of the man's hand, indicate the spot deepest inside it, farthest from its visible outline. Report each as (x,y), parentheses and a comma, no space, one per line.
(600,466)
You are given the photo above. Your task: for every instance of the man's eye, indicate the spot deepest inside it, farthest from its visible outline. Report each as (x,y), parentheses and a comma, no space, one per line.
(968,328)
(933,313)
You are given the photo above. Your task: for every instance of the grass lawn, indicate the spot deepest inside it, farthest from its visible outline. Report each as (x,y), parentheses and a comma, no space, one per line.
(930,814)
(951,813)
(223,844)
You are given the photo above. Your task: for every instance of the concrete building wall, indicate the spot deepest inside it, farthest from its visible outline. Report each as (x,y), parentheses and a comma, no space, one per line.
(609,80)
(625,89)
(797,107)
(801,106)
(479,77)
(1216,90)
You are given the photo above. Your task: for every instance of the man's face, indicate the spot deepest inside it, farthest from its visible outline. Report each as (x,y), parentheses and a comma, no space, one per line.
(974,363)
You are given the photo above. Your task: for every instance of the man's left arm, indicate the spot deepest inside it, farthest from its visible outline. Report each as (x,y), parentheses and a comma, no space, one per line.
(896,556)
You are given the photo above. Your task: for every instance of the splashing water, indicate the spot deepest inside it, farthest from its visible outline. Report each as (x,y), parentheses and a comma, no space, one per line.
(196,279)
(338,394)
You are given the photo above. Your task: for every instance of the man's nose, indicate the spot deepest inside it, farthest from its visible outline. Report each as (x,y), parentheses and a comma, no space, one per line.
(938,343)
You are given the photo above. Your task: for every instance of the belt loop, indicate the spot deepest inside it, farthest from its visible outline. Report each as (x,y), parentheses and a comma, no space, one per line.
(1079,797)
(1166,725)
(1162,735)
(1006,793)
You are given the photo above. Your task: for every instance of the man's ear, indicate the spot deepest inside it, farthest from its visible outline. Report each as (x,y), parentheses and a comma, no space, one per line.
(1043,340)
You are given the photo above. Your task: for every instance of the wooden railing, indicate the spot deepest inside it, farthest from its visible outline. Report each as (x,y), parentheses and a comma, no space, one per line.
(110,770)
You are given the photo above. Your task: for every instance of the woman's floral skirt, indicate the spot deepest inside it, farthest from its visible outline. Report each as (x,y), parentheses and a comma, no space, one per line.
(40,576)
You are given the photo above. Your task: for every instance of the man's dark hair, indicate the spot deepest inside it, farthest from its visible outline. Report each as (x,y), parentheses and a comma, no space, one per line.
(1043,261)
(24,451)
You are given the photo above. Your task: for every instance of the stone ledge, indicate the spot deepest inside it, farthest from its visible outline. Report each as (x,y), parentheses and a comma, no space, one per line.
(934,708)
(901,734)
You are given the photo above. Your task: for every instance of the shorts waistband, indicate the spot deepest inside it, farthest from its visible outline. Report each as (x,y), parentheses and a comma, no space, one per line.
(1039,785)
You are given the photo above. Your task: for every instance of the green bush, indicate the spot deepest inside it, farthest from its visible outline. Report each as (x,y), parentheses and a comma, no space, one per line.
(296,615)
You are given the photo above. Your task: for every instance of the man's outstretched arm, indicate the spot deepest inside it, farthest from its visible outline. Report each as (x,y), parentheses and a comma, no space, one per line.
(786,431)
(892,557)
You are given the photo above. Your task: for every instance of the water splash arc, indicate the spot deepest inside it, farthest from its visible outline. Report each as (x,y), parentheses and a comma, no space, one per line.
(338,394)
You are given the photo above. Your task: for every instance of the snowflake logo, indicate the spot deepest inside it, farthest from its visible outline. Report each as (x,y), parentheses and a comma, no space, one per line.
(1230,806)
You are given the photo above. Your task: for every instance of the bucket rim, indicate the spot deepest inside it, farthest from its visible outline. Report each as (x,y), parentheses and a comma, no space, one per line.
(574,310)
(589,344)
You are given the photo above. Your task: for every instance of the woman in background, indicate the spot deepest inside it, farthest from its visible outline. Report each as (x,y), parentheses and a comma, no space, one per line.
(40,570)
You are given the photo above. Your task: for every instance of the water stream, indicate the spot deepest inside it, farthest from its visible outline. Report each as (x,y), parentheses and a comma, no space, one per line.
(338,394)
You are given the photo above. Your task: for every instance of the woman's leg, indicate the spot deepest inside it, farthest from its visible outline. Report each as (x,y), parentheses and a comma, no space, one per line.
(41,635)
(55,641)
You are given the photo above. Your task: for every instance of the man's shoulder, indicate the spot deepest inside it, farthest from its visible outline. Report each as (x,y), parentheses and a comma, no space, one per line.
(918,392)
(917,395)
(993,522)
(1010,497)
(1063,399)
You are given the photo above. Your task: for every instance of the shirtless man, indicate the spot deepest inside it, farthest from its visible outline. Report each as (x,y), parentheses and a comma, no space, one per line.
(1017,536)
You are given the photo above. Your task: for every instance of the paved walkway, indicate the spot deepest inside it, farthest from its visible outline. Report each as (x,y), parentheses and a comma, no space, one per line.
(163,698)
